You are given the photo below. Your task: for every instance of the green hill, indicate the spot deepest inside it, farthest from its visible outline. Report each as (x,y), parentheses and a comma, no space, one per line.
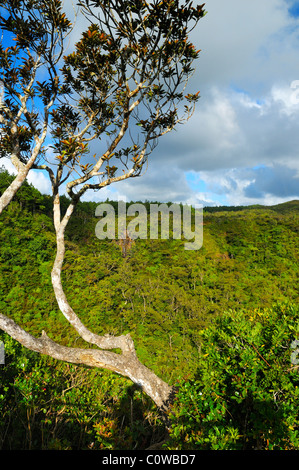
(289,206)
(283,207)
(160,293)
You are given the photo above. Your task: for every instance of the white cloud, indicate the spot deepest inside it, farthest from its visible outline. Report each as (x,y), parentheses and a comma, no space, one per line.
(287,98)
(244,134)
(40,181)
(246,43)
(230,134)
(36,178)
(6,163)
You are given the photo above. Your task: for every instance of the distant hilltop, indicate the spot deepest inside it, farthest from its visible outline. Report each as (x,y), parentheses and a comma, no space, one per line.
(280,208)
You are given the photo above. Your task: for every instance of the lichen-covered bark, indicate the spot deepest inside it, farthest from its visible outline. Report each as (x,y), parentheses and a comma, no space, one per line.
(125,364)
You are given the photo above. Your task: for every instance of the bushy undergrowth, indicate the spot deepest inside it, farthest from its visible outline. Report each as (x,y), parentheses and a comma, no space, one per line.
(46,404)
(246,391)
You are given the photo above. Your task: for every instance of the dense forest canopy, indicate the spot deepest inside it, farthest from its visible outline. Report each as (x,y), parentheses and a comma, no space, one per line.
(165,296)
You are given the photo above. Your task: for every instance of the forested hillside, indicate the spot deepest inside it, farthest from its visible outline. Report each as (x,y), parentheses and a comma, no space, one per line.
(168,298)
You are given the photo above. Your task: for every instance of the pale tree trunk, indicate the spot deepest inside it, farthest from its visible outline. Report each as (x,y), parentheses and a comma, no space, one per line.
(22,169)
(125,364)
(12,189)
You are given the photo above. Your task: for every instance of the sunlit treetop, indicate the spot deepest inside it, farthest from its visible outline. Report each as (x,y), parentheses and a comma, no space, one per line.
(126,76)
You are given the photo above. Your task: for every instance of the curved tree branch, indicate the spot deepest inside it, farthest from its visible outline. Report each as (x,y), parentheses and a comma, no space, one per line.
(125,364)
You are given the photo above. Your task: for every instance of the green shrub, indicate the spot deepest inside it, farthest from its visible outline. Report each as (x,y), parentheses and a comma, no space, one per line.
(47,404)
(246,392)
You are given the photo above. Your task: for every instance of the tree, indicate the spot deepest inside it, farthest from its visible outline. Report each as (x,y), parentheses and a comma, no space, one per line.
(34,34)
(125,80)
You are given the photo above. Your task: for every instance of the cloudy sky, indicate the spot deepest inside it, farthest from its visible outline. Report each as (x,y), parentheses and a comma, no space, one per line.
(241,146)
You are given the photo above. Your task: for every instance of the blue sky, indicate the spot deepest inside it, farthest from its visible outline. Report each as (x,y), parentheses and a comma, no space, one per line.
(241,146)
(294,9)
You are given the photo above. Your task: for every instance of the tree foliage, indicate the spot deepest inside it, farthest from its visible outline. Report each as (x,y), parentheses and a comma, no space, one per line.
(127,72)
(33,34)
